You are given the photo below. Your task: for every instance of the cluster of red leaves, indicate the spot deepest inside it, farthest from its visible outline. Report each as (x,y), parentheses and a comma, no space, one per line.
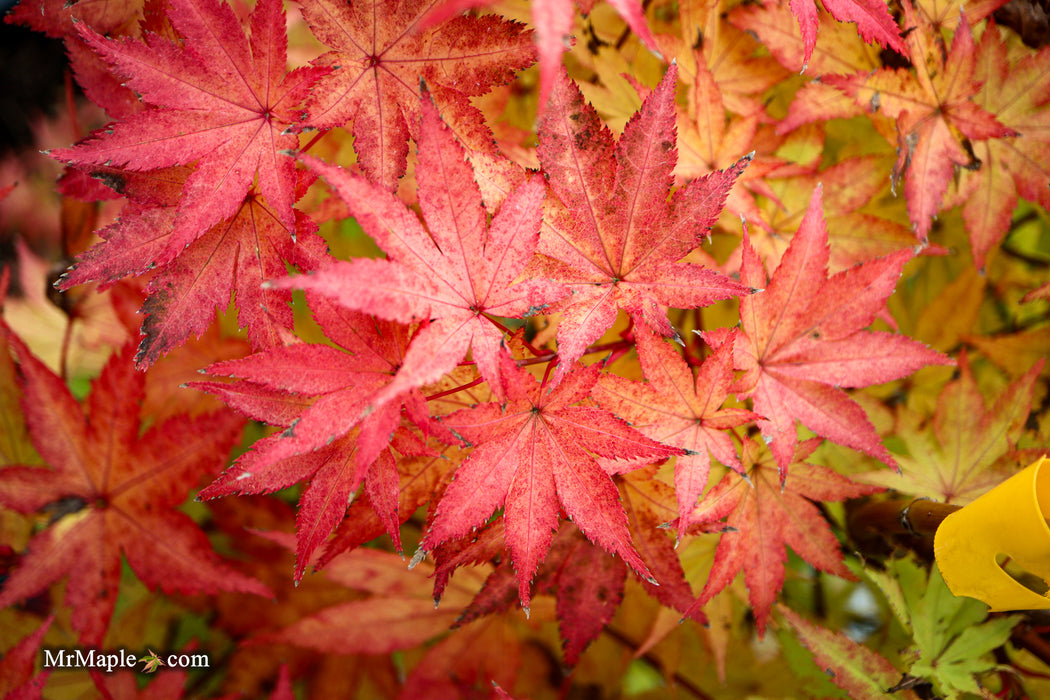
(421,393)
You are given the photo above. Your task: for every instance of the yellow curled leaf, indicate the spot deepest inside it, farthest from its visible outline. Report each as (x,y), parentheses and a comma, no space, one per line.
(1008,522)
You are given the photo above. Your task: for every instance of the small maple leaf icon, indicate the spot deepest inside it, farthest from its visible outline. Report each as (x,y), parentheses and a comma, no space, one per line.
(152,662)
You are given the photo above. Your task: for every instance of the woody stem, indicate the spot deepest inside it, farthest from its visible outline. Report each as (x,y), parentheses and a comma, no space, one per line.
(908,521)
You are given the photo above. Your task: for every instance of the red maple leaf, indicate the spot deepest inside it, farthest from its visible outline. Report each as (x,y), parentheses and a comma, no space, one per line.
(18,677)
(554,23)
(458,273)
(57,18)
(587,581)
(535,455)
(472,663)
(872,17)
(709,140)
(802,341)
(319,393)
(934,109)
(113,492)
(397,611)
(1014,91)
(422,478)
(678,409)
(380,54)
(762,515)
(649,503)
(220,99)
(610,233)
(231,259)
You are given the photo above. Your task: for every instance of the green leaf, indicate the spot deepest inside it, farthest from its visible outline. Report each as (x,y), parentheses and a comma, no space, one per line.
(952,639)
(858,670)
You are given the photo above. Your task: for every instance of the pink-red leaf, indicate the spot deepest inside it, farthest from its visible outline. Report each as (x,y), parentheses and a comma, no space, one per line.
(610,232)
(120,491)
(534,456)
(678,409)
(457,275)
(803,338)
(762,515)
(330,440)
(221,99)
(379,55)
(872,17)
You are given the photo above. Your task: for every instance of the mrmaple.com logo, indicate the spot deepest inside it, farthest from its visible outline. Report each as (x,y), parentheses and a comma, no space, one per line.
(109,661)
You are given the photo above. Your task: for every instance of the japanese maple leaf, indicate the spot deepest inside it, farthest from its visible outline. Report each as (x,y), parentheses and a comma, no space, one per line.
(590,584)
(319,393)
(553,20)
(56,18)
(127,685)
(397,611)
(220,99)
(587,581)
(759,515)
(945,15)
(18,677)
(610,233)
(861,672)
(934,108)
(231,259)
(708,140)
(734,61)
(858,229)
(421,479)
(840,52)
(381,51)
(535,455)
(678,409)
(802,341)
(650,505)
(151,662)
(477,661)
(458,274)
(967,448)
(118,490)
(872,17)
(1014,91)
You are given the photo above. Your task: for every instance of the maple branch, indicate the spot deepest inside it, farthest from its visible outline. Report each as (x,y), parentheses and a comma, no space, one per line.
(696,342)
(911,522)
(547,373)
(1010,248)
(1027,637)
(735,435)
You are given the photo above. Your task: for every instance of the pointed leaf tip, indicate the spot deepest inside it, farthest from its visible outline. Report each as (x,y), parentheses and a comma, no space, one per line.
(417,557)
